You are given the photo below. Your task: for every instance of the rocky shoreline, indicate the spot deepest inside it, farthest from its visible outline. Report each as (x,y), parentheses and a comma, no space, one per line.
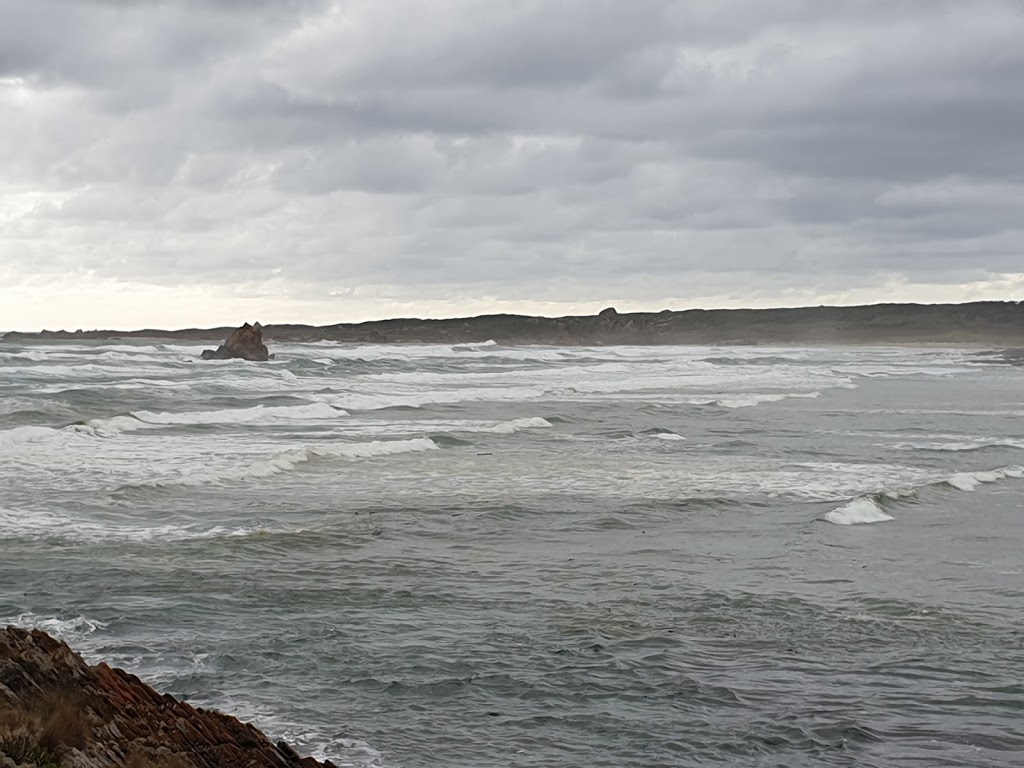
(56,711)
(979,323)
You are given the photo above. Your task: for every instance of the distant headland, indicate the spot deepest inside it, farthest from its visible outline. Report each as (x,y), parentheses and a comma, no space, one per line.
(987,323)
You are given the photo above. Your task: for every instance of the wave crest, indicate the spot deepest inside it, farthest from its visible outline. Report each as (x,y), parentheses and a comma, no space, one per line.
(255,415)
(516,425)
(289,460)
(869,509)
(860,511)
(968,481)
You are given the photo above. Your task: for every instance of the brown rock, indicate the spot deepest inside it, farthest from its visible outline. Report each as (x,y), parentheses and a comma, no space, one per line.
(245,343)
(56,709)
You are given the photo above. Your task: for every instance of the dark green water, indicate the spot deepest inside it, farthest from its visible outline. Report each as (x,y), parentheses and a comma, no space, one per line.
(486,556)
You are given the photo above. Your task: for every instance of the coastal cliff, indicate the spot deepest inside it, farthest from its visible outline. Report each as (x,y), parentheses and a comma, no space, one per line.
(56,711)
(979,323)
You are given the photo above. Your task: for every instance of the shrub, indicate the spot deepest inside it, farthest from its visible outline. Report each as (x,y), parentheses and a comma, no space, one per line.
(43,730)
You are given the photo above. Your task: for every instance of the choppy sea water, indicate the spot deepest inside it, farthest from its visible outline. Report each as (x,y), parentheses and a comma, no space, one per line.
(535,556)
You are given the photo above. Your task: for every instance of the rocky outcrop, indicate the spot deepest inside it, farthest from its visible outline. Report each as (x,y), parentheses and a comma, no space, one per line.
(57,711)
(245,343)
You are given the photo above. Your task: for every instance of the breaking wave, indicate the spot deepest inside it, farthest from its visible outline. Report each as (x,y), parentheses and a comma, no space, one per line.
(289,460)
(259,414)
(71,630)
(749,400)
(869,508)
(968,481)
(473,347)
(516,425)
(49,525)
(861,511)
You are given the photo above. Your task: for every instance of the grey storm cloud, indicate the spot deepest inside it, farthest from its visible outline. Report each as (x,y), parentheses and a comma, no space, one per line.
(599,147)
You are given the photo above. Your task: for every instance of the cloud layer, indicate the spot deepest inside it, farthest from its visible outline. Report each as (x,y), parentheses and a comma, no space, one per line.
(322,161)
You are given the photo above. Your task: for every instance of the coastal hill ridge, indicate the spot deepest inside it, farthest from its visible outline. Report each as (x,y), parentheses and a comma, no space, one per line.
(975,323)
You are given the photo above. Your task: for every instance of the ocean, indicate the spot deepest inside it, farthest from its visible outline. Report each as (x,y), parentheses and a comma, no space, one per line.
(478,555)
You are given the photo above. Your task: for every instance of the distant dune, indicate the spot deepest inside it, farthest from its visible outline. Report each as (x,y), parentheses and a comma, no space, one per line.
(979,323)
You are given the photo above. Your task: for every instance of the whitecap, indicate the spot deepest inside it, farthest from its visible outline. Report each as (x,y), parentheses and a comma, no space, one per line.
(671,436)
(953,445)
(256,414)
(49,525)
(289,460)
(115,425)
(860,511)
(516,425)
(24,354)
(968,481)
(368,450)
(473,347)
(866,509)
(243,415)
(749,400)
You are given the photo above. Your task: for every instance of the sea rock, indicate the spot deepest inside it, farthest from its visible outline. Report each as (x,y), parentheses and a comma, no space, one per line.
(56,710)
(245,343)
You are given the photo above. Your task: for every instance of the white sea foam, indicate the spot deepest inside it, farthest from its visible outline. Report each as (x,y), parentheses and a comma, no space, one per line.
(473,347)
(749,400)
(368,450)
(13,439)
(24,354)
(289,460)
(22,523)
(866,509)
(74,371)
(131,358)
(140,349)
(671,436)
(954,445)
(254,415)
(115,425)
(860,511)
(48,524)
(516,425)
(344,752)
(127,384)
(419,353)
(455,391)
(259,413)
(968,481)
(366,401)
(73,629)
(357,753)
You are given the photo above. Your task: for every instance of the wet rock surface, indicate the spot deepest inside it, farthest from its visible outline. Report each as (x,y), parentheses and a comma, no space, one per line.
(245,343)
(57,710)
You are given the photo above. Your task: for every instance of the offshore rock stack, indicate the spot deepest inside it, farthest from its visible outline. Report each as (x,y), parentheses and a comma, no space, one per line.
(245,343)
(56,711)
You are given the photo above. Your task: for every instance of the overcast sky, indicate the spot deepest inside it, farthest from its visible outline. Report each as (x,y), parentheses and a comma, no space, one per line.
(195,162)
